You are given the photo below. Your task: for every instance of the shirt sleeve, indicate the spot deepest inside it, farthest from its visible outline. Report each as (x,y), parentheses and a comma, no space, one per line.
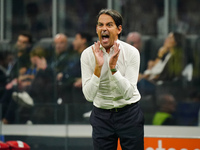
(90,82)
(127,84)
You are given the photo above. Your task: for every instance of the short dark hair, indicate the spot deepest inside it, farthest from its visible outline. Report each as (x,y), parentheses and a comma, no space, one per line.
(28,35)
(114,14)
(87,36)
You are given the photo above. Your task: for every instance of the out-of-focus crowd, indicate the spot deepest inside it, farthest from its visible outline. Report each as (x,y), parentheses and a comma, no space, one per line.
(38,79)
(32,74)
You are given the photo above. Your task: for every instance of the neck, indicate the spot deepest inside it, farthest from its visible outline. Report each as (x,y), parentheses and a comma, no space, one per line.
(108,50)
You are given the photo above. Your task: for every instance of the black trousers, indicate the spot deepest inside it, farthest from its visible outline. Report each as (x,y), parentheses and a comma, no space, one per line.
(126,124)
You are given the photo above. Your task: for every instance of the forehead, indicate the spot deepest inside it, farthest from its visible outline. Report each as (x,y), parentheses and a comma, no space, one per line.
(22,37)
(104,18)
(60,39)
(78,35)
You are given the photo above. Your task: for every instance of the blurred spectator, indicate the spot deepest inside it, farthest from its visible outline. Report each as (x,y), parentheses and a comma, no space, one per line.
(60,63)
(67,64)
(72,83)
(135,39)
(166,106)
(42,89)
(82,41)
(18,66)
(72,71)
(21,49)
(42,86)
(6,57)
(169,63)
(39,91)
(61,54)
(167,67)
(25,80)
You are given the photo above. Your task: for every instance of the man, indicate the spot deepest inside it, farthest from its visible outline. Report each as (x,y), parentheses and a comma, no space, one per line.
(80,43)
(19,64)
(61,54)
(110,71)
(134,38)
(23,43)
(167,106)
(59,64)
(21,49)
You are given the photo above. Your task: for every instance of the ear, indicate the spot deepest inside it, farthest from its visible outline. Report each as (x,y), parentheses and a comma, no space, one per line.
(96,29)
(119,29)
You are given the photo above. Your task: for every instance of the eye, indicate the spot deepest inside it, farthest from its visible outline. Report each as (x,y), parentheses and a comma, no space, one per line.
(100,24)
(109,25)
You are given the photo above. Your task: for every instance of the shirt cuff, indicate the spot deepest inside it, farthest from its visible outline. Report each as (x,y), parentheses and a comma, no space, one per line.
(117,76)
(95,80)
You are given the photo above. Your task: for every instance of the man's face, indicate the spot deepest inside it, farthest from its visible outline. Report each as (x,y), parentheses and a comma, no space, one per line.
(135,41)
(107,31)
(22,42)
(60,44)
(78,42)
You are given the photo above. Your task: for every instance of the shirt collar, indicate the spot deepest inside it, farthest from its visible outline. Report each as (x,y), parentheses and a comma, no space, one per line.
(111,49)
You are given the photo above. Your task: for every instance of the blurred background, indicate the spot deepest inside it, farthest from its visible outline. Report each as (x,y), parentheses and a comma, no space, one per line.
(40,46)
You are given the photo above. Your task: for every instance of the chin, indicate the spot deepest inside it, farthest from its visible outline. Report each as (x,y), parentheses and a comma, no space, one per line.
(106,46)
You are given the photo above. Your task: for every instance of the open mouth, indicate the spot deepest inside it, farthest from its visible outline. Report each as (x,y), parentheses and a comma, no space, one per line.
(105,38)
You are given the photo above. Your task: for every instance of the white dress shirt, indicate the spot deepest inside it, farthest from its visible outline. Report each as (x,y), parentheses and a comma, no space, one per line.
(111,91)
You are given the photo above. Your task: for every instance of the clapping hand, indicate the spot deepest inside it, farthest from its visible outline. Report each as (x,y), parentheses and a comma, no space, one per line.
(114,57)
(98,54)
(98,58)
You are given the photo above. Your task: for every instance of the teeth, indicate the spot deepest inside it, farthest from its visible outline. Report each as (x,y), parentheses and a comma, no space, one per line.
(104,34)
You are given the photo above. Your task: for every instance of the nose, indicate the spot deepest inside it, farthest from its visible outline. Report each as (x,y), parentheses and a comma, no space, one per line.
(104,28)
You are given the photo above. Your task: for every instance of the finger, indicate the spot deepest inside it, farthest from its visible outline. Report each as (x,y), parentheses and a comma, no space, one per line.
(95,43)
(93,49)
(116,47)
(98,45)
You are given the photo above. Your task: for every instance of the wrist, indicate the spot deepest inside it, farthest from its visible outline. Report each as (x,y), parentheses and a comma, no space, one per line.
(97,71)
(113,70)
